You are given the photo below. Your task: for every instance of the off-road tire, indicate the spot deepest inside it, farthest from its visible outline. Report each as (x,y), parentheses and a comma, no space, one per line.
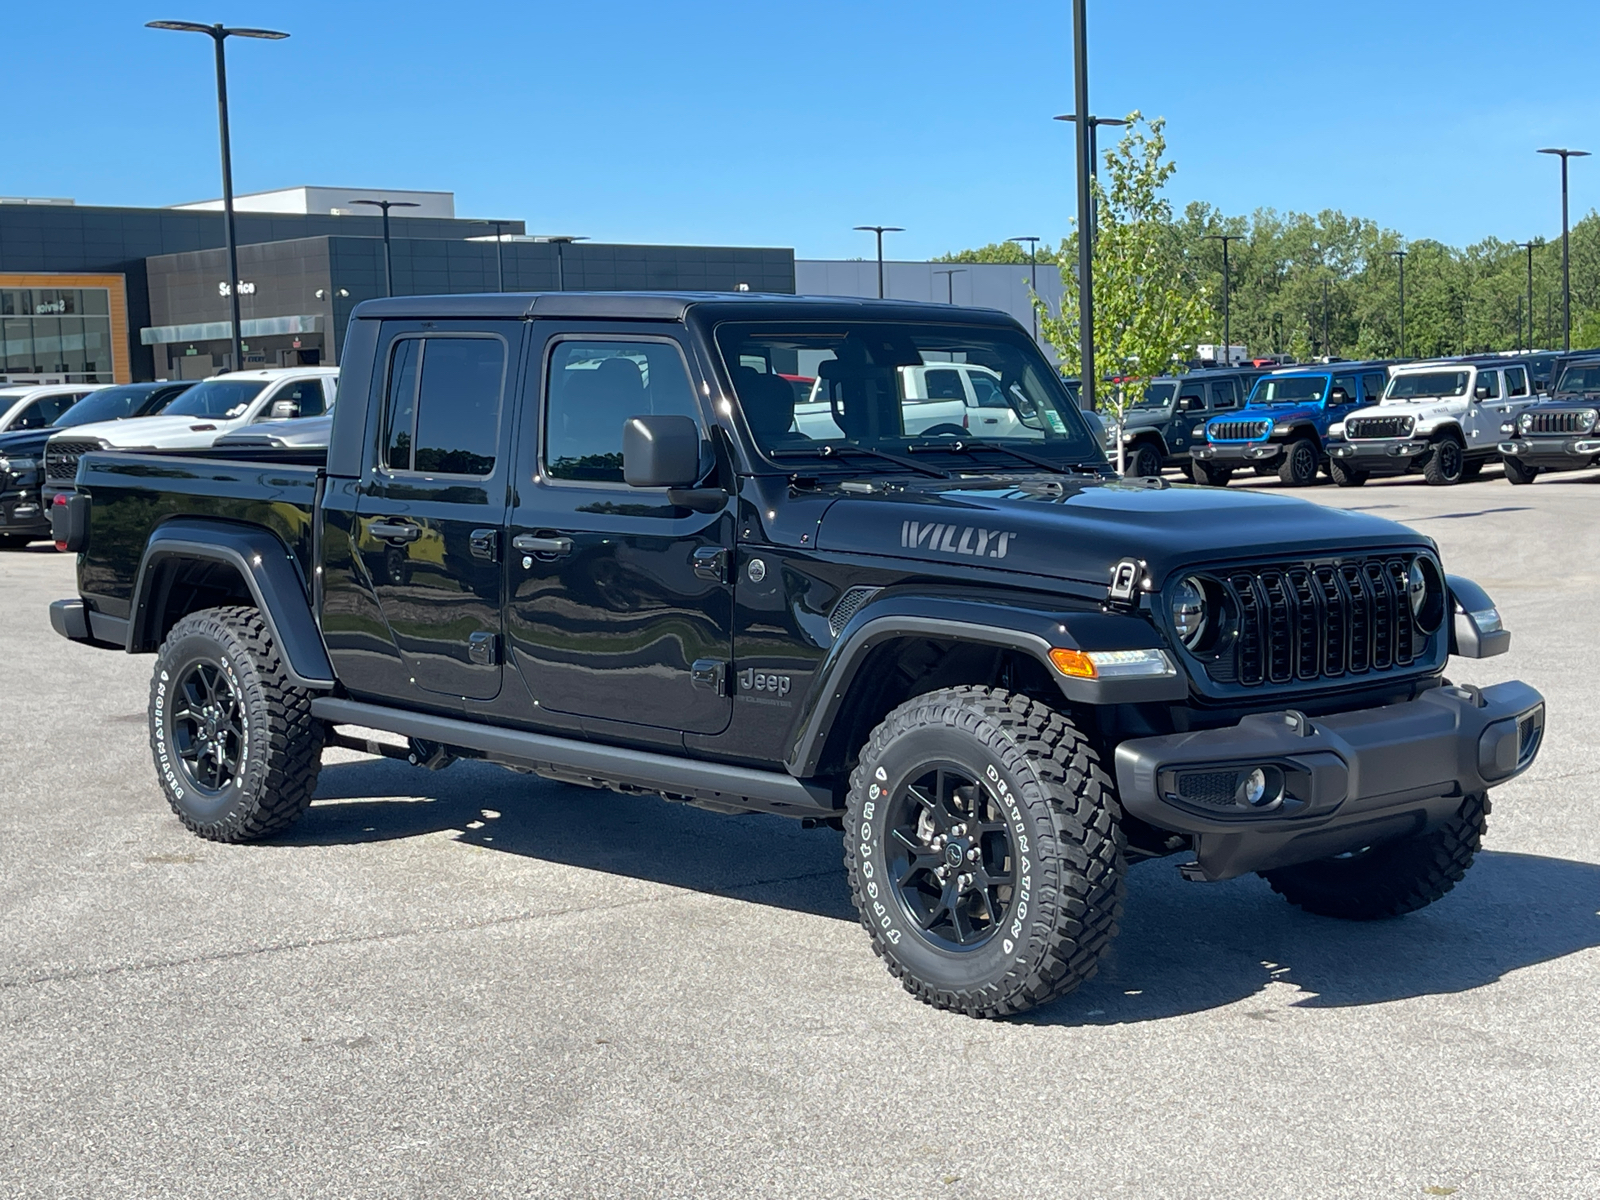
(1060,812)
(281,751)
(1445,464)
(1209,476)
(1345,476)
(1146,462)
(1519,473)
(1471,468)
(1300,463)
(1391,879)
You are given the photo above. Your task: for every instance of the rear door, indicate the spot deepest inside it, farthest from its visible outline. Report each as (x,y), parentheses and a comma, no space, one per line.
(428,529)
(620,604)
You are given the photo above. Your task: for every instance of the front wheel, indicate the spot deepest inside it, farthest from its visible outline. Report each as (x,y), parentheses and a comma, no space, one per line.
(1391,879)
(1519,472)
(1445,464)
(983,851)
(1345,476)
(1300,462)
(236,748)
(1210,476)
(1146,462)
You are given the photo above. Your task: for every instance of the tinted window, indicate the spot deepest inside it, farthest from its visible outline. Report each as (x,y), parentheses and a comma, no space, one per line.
(1156,395)
(35,416)
(1516,381)
(1372,385)
(1224,394)
(444,405)
(1488,384)
(594,387)
(1345,384)
(987,389)
(112,404)
(307,393)
(944,385)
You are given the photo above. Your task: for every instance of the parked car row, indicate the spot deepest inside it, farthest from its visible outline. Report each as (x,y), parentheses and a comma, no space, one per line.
(44,431)
(1444,419)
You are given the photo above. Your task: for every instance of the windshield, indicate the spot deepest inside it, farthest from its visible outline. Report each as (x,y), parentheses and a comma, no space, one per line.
(1579,381)
(216,398)
(898,388)
(1289,389)
(1431,383)
(1156,395)
(107,404)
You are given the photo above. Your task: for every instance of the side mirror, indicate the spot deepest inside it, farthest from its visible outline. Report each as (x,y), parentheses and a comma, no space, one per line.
(1189,403)
(284,410)
(1481,392)
(661,452)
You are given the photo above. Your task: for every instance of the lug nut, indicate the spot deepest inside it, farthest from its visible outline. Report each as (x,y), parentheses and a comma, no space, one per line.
(972,854)
(964,882)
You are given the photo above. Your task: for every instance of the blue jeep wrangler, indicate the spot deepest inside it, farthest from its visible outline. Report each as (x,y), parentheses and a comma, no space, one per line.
(1284,425)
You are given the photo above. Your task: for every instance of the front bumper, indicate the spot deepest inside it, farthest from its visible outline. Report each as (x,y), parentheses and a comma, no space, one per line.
(1345,781)
(1382,457)
(1239,453)
(1554,454)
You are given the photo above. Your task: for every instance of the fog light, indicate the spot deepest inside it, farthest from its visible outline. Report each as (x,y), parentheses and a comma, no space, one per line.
(1261,788)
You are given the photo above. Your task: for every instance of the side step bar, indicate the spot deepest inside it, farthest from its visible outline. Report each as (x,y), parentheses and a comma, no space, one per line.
(714,785)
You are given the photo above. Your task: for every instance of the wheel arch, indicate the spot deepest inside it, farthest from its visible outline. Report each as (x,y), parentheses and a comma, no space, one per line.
(194,563)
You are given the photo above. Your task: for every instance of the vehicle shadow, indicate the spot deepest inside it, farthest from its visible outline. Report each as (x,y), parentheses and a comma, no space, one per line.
(1183,947)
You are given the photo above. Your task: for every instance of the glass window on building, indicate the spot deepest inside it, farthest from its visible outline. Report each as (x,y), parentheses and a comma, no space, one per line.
(57,331)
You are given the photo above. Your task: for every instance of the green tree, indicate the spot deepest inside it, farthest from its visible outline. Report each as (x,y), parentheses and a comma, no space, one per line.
(1001,252)
(1148,315)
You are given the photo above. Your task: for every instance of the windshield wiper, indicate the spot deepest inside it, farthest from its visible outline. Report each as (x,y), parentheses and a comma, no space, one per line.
(962,445)
(830,451)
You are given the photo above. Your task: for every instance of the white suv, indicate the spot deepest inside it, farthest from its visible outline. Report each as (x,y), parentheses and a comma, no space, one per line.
(1441,418)
(212,408)
(959,399)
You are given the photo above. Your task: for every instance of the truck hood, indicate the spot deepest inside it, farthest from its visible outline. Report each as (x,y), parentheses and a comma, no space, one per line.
(1422,410)
(1079,529)
(24,443)
(159,432)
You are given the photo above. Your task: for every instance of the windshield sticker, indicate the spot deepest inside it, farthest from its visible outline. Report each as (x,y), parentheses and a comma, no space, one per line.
(1056,423)
(956,539)
(236,411)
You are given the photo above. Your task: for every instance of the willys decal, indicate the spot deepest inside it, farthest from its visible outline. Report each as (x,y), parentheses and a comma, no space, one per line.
(956,539)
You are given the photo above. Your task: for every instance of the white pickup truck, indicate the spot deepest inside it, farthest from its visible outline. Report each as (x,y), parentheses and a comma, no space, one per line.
(196,419)
(937,399)
(1441,418)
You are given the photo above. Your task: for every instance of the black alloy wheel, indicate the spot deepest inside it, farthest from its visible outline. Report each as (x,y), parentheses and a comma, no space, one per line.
(207,727)
(1146,462)
(1299,465)
(950,857)
(1445,463)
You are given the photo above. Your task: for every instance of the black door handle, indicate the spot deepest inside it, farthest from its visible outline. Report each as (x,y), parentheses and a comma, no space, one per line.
(530,543)
(391,530)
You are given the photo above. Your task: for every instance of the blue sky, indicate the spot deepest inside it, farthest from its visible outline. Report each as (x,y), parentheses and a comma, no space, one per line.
(779,123)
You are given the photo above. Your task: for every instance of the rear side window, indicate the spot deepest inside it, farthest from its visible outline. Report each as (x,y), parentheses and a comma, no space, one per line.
(593,387)
(945,385)
(443,405)
(1516,381)
(1372,385)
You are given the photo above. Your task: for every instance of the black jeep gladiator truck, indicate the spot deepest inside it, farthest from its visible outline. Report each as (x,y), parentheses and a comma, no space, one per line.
(582,535)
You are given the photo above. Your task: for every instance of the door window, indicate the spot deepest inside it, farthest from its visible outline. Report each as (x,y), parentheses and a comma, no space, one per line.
(1372,386)
(593,388)
(1190,398)
(443,404)
(1345,384)
(987,389)
(42,412)
(1490,382)
(306,394)
(1516,381)
(1224,394)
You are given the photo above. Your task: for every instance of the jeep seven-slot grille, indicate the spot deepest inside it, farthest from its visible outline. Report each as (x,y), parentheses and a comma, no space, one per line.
(61,459)
(1237,431)
(1579,421)
(1379,427)
(1297,624)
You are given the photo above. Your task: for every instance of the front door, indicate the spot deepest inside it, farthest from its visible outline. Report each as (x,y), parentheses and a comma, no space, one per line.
(621,604)
(429,519)
(1484,411)
(1188,411)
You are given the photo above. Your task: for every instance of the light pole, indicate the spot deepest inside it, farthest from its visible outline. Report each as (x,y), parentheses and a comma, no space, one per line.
(1094,155)
(1086,166)
(1529,247)
(388,262)
(1033,276)
(561,241)
(1566,282)
(1400,256)
(1227,341)
(218,34)
(880,230)
(499,255)
(950,282)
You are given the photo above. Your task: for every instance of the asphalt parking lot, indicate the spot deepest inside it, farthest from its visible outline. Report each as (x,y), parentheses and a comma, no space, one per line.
(476,983)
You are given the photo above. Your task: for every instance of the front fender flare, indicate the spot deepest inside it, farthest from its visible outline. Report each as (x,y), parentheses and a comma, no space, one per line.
(1027,630)
(268,569)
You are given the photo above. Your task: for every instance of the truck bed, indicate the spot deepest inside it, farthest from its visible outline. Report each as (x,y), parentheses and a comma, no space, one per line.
(134,493)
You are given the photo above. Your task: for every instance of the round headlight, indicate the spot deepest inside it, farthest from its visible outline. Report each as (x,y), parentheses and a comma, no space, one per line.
(1425,593)
(1189,612)
(1526,421)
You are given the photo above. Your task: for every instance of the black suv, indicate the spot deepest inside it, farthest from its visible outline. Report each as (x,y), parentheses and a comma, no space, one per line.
(601,538)
(1561,433)
(1168,419)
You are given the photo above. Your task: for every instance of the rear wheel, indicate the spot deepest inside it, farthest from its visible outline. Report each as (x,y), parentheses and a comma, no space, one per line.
(1345,476)
(236,749)
(1519,472)
(1445,463)
(1146,461)
(983,851)
(1391,879)
(1300,462)
(1210,476)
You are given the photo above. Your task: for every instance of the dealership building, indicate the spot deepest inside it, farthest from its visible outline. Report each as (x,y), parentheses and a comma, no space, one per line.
(103,295)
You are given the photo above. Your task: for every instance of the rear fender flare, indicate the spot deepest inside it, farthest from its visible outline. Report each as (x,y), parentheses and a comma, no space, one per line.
(269,571)
(1030,631)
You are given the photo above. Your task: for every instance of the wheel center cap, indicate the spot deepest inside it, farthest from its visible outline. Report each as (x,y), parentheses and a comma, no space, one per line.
(954,852)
